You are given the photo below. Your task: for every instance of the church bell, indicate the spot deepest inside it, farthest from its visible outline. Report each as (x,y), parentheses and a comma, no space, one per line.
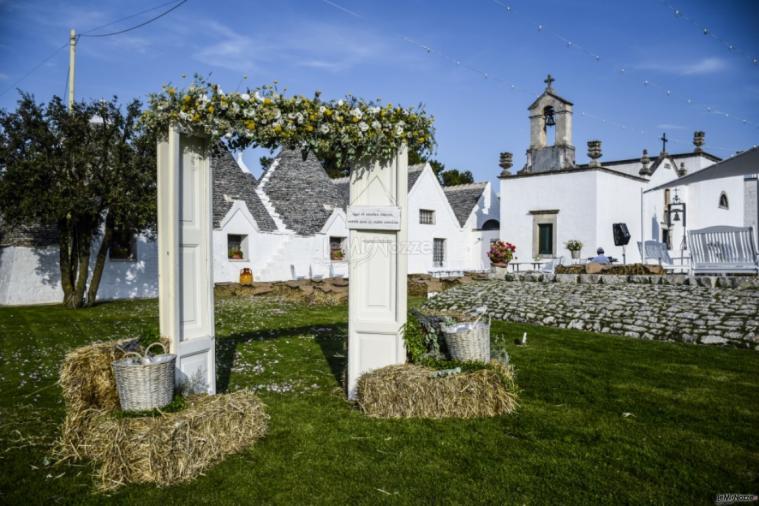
(548,115)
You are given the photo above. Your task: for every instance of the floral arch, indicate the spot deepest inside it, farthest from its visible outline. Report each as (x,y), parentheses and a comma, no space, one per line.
(352,132)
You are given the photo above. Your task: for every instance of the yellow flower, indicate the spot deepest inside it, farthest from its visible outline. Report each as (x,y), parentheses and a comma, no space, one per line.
(195,117)
(309,128)
(186,99)
(267,101)
(250,125)
(171,91)
(210,109)
(277,128)
(328,112)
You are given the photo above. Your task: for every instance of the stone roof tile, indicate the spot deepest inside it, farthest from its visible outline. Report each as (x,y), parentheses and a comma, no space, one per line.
(301,191)
(463,198)
(231,182)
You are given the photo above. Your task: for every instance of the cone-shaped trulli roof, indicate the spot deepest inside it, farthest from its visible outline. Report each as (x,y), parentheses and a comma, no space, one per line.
(231,182)
(300,191)
(463,198)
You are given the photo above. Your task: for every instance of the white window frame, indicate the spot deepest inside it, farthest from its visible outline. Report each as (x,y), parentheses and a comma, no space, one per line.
(243,248)
(441,261)
(422,212)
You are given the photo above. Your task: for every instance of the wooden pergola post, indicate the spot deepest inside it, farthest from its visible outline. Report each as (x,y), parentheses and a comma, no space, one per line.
(185,269)
(378,223)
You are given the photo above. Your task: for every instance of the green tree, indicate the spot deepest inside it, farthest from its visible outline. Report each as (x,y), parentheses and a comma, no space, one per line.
(453,177)
(88,172)
(449,177)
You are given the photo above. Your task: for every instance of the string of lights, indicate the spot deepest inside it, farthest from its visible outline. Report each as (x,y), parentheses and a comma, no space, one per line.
(733,48)
(628,71)
(510,84)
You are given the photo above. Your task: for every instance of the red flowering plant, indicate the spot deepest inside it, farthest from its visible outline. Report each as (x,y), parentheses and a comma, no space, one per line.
(501,252)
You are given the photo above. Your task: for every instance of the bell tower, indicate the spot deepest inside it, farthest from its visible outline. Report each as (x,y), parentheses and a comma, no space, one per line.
(550,132)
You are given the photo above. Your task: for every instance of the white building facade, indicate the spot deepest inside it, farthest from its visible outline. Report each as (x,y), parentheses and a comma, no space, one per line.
(552,200)
(290,224)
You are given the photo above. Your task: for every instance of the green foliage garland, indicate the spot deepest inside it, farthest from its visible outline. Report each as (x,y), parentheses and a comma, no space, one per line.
(349,130)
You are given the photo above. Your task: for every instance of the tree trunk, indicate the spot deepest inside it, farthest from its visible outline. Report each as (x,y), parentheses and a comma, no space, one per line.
(84,237)
(97,273)
(66,247)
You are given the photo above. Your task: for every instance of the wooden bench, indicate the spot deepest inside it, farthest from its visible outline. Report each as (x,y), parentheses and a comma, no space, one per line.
(723,250)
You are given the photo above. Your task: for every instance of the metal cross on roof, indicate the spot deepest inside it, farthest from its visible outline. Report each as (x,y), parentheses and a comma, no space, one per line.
(664,140)
(549,81)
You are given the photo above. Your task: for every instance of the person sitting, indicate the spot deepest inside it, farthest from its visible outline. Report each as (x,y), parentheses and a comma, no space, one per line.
(600,258)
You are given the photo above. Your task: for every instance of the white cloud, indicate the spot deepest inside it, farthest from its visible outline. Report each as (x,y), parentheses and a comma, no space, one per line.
(710,65)
(333,48)
(704,66)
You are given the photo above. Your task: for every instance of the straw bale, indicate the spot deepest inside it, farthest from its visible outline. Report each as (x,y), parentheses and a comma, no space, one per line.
(412,391)
(164,449)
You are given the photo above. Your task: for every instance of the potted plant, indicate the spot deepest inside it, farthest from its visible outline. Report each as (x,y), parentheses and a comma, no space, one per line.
(336,255)
(501,253)
(574,246)
(235,254)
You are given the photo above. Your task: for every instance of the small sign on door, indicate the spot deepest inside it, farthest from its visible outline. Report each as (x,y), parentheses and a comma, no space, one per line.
(374,217)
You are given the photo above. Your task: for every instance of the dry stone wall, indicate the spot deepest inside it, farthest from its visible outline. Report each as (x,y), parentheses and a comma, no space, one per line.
(668,312)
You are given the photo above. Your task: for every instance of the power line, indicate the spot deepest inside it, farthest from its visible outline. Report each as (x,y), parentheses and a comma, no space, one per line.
(135,26)
(733,48)
(624,70)
(17,81)
(110,23)
(88,33)
(499,80)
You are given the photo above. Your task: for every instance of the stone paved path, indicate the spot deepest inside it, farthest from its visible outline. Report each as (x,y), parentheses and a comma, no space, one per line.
(662,312)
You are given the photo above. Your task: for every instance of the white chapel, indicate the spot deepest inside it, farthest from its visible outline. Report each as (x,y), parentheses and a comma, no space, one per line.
(553,199)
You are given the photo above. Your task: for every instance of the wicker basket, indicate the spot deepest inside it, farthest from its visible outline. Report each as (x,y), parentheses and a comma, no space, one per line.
(468,341)
(145,382)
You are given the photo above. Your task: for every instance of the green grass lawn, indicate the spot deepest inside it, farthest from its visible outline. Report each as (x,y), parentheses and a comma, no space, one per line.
(602,419)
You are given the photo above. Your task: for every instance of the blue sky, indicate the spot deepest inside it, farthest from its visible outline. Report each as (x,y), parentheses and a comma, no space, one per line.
(374,49)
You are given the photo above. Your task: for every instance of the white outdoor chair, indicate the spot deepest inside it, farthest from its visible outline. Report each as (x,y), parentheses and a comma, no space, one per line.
(550,266)
(656,250)
(723,250)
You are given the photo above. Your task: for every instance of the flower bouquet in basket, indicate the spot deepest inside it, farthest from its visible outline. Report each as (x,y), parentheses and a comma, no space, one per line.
(501,253)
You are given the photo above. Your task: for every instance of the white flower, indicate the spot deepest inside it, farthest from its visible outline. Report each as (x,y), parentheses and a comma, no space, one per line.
(299,118)
(235,107)
(184,115)
(291,115)
(376,125)
(245,96)
(257,96)
(324,129)
(322,109)
(277,114)
(356,113)
(363,126)
(374,109)
(340,102)
(398,130)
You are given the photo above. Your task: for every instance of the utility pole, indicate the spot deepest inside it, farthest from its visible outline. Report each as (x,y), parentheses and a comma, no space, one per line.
(72,66)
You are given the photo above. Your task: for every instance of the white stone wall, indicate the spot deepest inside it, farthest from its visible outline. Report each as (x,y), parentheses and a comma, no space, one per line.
(428,194)
(32,275)
(574,194)
(750,205)
(618,200)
